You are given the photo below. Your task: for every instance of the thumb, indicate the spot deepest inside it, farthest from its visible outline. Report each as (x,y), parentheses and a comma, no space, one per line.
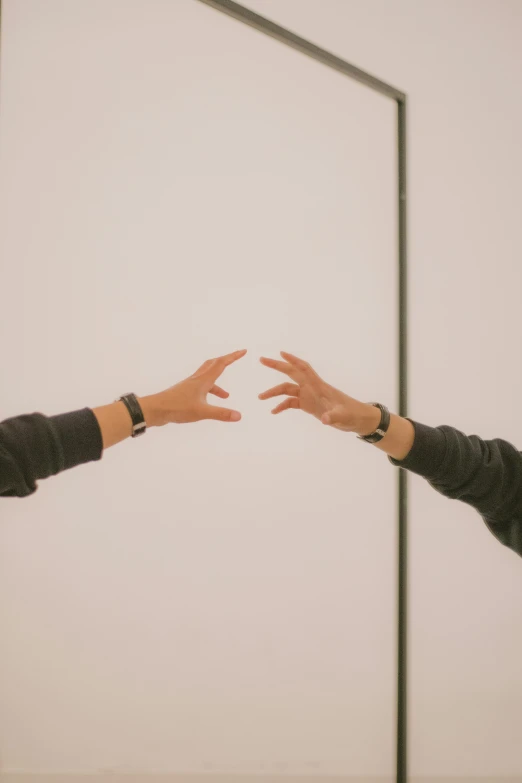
(220,414)
(336,416)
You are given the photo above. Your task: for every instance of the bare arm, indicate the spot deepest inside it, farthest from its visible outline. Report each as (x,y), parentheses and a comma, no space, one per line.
(185,402)
(310,393)
(34,446)
(397,442)
(486,474)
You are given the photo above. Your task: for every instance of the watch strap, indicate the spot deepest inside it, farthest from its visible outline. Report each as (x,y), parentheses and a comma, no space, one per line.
(139,424)
(379,433)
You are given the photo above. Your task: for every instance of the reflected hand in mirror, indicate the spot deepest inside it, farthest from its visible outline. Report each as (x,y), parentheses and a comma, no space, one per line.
(35,446)
(187,400)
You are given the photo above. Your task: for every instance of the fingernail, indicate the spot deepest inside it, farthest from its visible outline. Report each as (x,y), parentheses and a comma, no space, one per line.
(235,416)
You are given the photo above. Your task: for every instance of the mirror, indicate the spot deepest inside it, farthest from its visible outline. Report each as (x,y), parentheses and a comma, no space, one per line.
(209,599)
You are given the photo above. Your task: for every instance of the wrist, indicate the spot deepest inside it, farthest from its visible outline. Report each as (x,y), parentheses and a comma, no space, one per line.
(400,437)
(151,410)
(367,420)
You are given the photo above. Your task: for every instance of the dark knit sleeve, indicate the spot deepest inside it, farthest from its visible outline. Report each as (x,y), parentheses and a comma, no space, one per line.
(35,446)
(486,474)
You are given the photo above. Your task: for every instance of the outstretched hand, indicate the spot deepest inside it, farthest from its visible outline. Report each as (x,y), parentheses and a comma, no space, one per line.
(187,400)
(310,393)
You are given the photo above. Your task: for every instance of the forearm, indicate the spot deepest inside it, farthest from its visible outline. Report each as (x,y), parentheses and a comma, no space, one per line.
(115,422)
(37,446)
(34,446)
(485,474)
(397,442)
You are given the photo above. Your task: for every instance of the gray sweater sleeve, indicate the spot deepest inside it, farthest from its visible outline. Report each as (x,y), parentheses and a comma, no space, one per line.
(486,474)
(35,446)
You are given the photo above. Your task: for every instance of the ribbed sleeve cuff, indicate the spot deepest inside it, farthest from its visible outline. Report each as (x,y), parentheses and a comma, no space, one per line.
(80,437)
(427,453)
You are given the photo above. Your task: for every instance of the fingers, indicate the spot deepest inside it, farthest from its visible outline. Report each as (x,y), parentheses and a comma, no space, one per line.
(294,360)
(297,362)
(274,364)
(219,392)
(290,402)
(203,367)
(229,358)
(220,414)
(291,389)
(217,366)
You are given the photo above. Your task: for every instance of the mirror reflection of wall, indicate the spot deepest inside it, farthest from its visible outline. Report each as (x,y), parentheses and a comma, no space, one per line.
(195,187)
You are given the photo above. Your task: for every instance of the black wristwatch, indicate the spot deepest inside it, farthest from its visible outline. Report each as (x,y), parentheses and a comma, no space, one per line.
(139,424)
(382,429)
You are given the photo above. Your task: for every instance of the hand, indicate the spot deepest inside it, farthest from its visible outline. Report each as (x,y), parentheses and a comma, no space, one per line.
(311,394)
(187,400)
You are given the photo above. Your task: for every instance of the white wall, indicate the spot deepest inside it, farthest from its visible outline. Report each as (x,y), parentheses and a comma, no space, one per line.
(174,186)
(460,63)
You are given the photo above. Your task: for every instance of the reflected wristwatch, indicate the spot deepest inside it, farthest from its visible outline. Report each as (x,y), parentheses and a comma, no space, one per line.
(138,419)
